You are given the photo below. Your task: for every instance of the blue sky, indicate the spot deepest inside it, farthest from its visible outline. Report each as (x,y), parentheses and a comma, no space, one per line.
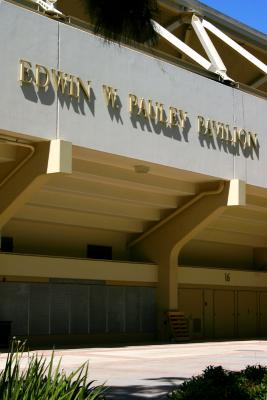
(250,12)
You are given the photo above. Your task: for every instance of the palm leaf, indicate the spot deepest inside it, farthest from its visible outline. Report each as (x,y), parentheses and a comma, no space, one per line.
(124,21)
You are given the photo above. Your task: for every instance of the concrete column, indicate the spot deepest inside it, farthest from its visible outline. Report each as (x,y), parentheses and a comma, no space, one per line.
(163,243)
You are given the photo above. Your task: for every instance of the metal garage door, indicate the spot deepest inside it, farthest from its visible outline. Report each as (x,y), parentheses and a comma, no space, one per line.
(190,302)
(263,313)
(224,313)
(61,308)
(247,313)
(208,313)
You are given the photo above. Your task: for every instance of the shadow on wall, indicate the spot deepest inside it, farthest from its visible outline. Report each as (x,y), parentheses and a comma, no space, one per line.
(150,125)
(217,144)
(78,105)
(48,97)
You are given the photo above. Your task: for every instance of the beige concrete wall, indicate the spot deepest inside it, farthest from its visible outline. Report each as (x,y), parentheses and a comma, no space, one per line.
(117,271)
(215,277)
(54,267)
(202,253)
(62,240)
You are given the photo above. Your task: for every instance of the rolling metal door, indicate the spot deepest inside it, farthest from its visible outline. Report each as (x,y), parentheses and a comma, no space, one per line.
(14,306)
(191,303)
(247,313)
(224,313)
(208,313)
(39,311)
(63,309)
(263,313)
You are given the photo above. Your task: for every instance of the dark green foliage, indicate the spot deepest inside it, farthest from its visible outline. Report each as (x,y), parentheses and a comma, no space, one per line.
(218,384)
(255,373)
(124,21)
(42,380)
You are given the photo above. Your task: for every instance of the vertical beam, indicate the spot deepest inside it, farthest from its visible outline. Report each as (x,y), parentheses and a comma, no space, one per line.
(187,38)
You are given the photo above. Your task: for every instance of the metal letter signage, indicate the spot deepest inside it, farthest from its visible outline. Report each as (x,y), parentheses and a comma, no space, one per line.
(171,116)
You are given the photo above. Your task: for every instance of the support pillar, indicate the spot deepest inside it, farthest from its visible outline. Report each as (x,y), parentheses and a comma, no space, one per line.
(163,243)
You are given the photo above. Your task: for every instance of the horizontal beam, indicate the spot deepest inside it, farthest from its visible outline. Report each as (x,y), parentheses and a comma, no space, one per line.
(171,6)
(129,178)
(258,204)
(258,82)
(215,276)
(98,189)
(233,238)
(59,267)
(175,25)
(254,207)
(239,226)
(257,192)
(249,213)
(94,205)
(81,219)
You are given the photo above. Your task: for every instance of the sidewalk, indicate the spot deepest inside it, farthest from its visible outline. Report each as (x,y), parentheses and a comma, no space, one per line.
(151,371)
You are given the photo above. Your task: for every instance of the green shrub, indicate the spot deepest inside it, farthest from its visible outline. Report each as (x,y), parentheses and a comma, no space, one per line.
(43,380)
(255,373)
(215,383)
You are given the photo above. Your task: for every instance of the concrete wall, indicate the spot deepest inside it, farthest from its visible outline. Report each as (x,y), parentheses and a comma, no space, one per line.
(17,265)
(62,240)
(25,35)
(73,268)
(44,114)
(221,277)
(207,254)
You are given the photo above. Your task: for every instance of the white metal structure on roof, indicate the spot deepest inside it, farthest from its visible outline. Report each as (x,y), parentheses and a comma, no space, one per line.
(215,63)
(48,6)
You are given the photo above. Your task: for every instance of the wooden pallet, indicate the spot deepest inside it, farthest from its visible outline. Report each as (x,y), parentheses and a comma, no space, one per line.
(179,325)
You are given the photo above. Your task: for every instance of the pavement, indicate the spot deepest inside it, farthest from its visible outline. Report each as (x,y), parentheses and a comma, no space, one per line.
(151,371)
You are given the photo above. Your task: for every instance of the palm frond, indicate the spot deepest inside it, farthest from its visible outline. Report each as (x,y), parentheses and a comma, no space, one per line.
(124,21)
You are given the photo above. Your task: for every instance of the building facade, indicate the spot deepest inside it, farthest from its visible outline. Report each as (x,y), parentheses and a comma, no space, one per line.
(132,181)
